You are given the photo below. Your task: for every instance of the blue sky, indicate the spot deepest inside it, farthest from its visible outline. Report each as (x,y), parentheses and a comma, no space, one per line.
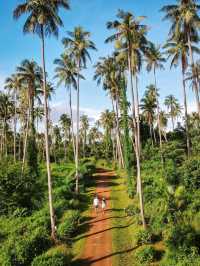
(92,15)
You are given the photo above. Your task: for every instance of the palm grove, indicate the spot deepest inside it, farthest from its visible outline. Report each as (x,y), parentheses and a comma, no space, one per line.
(125,135)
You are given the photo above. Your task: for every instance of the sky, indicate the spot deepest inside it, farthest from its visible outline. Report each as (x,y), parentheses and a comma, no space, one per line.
(92,15)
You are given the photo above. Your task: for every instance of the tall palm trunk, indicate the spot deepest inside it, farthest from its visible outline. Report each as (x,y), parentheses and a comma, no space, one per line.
(136,125)
(158,110)
(72,122)
(52,215)
(65,145)
(26,135)
(138,154)
(172,119)
(118,135)
(5,149)
(137,114)
(77,132)
(151,134)
(15,121)
(196,88)
(186,111)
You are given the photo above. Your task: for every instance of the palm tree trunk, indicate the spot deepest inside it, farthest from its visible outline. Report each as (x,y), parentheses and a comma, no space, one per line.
(172,118)
(77,131)
(19,148)
(52,215)
(15,121)
(118,134)
(72,122)
(137,114)
(26,136)
(186,112)
(151,134)
(158,112)
(65,145)
(196,88)
(136,124)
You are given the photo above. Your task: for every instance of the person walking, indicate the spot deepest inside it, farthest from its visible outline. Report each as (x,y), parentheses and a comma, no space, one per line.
(103,205)
(96,203)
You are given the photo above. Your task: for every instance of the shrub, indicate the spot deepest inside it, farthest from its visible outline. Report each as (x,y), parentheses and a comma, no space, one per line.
(181,257)
(69,225)
(52,259)
(17,190)
(181,236)
(145,255)
(132,210)
(143,236)
(22,250)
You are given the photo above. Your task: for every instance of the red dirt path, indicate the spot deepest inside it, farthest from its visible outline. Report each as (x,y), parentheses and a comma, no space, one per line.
(98,245)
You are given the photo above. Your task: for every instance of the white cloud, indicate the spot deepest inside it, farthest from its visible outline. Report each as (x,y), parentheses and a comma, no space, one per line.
(59,108)
(192,107)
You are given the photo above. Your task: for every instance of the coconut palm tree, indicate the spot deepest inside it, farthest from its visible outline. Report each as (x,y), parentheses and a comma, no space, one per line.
(130,38)
(30,76)
(109,74)
(107,119)
(66,73)
(43,20)
(148,106)
(163,123)
(65,122)
(84,121)
(173,106)
(184,19)
(177,49)
(6,113)
(13,84)
(155,60)
(78,44)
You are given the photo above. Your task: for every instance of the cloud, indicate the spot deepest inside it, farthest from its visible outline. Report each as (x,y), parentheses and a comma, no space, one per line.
(57,109)
(192,107)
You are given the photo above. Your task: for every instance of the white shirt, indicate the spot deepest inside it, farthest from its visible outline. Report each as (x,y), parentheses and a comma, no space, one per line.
(96,201)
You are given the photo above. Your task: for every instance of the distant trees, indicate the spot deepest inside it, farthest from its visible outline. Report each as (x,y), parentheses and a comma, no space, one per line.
(174,108)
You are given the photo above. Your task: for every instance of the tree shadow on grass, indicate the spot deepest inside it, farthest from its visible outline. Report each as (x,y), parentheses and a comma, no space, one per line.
(90,261)
(105,230)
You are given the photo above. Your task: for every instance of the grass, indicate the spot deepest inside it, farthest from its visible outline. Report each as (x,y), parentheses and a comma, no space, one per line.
(125,228)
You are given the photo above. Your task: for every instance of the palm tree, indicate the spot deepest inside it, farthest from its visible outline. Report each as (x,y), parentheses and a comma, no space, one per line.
(66,73)
(65,122)
(84,120)
(155,60)
(43,20)
(106,120)
(148,106)
(178,50)
(13,84)
(6,113)
(174,108)
(163,123)
(30,76)
(185,20)
(109,74)
(130,38)
(78,43)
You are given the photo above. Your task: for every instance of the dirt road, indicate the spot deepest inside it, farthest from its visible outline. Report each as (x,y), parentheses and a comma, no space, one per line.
(98,245)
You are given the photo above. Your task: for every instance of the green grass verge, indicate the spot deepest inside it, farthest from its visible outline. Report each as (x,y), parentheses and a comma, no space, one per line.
(123,226)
